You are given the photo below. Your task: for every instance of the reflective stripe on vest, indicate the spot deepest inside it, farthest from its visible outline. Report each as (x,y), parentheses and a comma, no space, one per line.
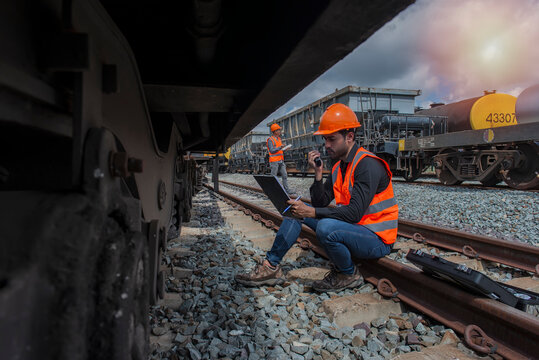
(381,217)
(276,156)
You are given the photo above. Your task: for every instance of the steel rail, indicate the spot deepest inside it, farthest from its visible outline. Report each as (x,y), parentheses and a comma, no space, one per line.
(517,255)
(486,324)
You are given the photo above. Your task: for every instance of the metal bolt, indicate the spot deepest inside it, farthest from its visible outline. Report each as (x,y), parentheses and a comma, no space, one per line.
(98,174)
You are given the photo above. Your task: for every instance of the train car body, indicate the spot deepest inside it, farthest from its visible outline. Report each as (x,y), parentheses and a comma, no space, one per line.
(250,154)
(484,112)
(485,142)
(101,103)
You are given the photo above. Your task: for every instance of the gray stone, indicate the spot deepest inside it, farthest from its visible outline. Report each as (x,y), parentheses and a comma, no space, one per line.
(277,353)
(402,349)
(202,326)
(374,345)
(364,327)
(185,306)
(306,339)
(286,347)
(392,337)
(223,334)
(254,356)
(195,354)
(213,351)
(378,322)
(420,328)
(332,345)
(392,325)
(309,355)
(180,338)
(299,348)
(189,330)
(384,354)
(437,328)
(316,346)
(230,351)
(235,332)
(429,340)
(295,356)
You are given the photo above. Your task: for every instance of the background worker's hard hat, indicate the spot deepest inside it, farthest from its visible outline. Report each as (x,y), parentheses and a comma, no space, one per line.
(337,117)
(274,127)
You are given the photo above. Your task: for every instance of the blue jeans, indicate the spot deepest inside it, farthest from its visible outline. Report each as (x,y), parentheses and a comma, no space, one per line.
(340,239)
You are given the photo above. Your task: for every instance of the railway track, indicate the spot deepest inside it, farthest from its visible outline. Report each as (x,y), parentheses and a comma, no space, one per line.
(487,325)
(517,255)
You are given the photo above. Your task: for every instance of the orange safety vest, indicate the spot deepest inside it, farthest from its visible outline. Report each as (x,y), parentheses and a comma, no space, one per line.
(382,215)
(277,155)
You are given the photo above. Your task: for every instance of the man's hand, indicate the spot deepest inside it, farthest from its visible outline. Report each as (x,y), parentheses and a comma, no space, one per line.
(301,210)
(317,169)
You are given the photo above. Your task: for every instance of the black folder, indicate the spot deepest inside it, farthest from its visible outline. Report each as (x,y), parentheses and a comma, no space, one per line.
(275,192)
(473,280)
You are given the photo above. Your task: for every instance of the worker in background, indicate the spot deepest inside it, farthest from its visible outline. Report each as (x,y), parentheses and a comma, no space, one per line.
(362,225)
(276,155)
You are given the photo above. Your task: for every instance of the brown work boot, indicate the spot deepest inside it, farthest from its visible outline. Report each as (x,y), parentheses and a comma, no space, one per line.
(262,274)
(336,281)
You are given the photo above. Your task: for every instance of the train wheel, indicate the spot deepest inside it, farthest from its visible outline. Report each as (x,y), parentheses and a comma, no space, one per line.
(124,297)
(98,270)
(445,175)
(526,176)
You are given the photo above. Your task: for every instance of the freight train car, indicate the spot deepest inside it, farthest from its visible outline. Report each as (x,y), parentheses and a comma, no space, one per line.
(100,101)
(250,154)
(485,141)
(369,104)
(475,139)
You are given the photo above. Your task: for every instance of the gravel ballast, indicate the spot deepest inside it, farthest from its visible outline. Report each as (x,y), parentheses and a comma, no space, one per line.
(219,318)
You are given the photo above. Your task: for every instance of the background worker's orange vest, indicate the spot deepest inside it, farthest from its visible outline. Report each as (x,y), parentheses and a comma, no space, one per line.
(382,215)
(276,156)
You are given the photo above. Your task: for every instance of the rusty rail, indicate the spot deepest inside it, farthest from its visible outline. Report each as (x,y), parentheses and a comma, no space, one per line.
(517,255)
(487,325)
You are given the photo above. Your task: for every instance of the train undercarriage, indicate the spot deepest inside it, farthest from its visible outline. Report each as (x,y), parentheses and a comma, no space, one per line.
(100,104)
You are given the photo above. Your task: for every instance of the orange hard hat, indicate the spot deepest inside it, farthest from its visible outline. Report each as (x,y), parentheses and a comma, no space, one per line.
(337,117)
(274,127)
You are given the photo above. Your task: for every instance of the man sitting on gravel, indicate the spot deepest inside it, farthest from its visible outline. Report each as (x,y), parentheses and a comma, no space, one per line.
(364,223)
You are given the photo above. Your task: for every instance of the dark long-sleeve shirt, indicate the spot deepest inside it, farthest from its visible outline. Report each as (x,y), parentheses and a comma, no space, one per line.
(370,178)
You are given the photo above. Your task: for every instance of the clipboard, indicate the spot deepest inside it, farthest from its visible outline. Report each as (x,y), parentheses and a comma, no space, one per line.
(275,192)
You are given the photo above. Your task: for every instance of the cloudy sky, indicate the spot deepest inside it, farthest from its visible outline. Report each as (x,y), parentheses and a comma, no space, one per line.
(449,49)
